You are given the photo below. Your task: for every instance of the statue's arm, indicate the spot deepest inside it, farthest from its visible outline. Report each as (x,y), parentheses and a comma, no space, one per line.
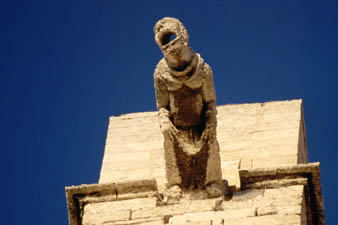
(162,103)
(209,97)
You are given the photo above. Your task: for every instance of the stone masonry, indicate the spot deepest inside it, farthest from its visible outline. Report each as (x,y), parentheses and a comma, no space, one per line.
(263,158)
(250,136)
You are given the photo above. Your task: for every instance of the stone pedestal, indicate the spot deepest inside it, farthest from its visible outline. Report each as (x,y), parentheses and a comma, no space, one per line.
(264,160)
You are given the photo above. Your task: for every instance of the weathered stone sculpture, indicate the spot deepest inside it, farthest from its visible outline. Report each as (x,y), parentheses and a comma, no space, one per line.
(186,101)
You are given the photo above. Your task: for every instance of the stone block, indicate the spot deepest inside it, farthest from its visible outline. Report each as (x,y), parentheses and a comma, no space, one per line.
(266,220)
(230,173)
(103,213)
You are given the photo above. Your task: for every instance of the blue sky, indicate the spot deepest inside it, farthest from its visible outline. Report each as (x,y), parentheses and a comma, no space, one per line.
(66,66)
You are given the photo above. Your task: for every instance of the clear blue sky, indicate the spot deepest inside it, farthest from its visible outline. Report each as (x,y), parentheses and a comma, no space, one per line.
(66,66)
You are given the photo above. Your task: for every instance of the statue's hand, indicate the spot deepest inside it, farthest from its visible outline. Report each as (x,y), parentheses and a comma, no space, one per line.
(209,133)
(169,130)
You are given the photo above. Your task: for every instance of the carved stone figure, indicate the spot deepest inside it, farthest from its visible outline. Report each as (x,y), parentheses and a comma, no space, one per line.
(186,101)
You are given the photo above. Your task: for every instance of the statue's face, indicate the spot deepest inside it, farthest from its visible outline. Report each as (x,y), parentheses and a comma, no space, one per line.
(173,40)
(170,34)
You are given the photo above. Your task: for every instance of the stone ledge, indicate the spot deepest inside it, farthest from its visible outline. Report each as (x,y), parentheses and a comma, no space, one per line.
(78,196)
(273,177)
(100,204)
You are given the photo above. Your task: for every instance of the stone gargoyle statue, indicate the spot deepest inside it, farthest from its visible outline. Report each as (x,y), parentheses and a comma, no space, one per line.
(186,101)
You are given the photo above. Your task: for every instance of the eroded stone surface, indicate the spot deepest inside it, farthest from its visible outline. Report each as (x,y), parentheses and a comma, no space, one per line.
(186,101)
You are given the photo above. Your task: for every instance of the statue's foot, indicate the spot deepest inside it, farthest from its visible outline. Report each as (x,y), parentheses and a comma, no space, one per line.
(170,196)
(215,190)
(173,194)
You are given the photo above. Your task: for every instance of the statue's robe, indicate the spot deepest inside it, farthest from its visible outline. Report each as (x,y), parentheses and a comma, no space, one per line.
(187,99)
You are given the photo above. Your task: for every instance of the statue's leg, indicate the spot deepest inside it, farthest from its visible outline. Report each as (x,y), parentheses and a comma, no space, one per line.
(214,170)
(184,164)
(171,168)
(200,166)
(213,181)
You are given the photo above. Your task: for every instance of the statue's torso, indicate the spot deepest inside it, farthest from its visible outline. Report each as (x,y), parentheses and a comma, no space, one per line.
(186,106)
(185,94)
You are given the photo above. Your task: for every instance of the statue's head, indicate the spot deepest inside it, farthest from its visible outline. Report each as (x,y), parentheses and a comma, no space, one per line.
(170,33)
(173,40)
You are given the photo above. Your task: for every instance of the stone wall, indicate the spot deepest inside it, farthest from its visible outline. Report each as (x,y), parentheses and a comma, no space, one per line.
(250,136)
(283,205)
(280,195)
(264,159)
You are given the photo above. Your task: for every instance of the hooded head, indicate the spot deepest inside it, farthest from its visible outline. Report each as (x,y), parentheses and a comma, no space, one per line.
(173,40)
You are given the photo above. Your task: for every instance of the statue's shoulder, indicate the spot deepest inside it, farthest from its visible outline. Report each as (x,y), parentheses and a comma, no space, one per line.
(203,70)
(206,68)
(161,69)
